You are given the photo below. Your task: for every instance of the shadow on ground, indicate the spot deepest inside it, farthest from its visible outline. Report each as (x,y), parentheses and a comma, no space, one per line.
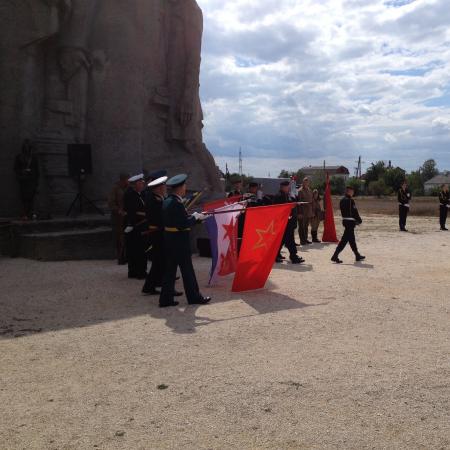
(77,306)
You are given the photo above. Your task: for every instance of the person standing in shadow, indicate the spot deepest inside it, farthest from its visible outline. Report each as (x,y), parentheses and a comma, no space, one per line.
(26,168)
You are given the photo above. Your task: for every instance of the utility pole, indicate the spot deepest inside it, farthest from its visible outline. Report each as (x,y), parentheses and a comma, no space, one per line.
(358,169)
(240,161)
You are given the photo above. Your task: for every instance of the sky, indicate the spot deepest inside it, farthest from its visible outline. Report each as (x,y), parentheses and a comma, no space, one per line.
(298,82)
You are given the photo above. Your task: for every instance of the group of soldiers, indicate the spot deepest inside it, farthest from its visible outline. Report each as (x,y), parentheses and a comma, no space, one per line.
(404,200)
(156,224)
(151,223)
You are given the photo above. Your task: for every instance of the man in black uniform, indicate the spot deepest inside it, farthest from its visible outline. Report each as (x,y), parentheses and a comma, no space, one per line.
(350,218)
(136,225)
(444,205)
(177,224)
(404,197)
(288,239)
(153,206)
(237,188)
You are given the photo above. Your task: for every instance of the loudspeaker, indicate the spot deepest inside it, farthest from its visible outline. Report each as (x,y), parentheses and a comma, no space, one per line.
(79,159)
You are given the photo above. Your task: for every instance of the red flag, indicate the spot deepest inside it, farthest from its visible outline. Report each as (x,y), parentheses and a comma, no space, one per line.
(329,227)
(263,231)
(217,204)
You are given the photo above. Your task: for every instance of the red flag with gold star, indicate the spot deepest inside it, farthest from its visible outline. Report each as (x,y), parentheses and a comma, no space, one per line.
(263,232)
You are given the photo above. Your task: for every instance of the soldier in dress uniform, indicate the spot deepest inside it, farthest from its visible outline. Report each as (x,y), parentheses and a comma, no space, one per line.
(177,225)
(350,219)
(288,239)
(444,205)
(153,206)
(254,196)
(404,197)
(237,188)
(136,225)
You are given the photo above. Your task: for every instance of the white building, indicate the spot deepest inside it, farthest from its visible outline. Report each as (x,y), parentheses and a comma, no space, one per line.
(437,182)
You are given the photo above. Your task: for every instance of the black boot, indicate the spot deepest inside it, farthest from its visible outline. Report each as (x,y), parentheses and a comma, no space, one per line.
(314,237)
(360,257)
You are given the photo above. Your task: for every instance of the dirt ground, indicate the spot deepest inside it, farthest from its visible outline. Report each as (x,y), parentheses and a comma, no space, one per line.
(326,357)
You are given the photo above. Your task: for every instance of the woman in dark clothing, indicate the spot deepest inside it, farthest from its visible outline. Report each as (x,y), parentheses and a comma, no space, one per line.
(26,167)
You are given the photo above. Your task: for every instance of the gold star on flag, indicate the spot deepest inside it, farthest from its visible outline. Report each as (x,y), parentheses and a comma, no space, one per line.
(262,233)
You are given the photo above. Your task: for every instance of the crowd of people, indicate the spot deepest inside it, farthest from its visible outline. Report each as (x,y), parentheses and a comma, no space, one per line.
(151,223)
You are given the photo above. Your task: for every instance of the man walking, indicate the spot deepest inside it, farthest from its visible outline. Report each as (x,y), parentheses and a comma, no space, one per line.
(350,219)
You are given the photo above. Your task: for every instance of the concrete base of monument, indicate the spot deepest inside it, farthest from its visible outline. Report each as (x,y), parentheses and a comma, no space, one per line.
(60,239)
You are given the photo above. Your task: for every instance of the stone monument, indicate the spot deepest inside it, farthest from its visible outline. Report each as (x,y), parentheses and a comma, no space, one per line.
(121,76)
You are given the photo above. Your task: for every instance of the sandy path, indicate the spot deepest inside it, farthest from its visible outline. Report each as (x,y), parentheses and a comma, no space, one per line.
(348,357)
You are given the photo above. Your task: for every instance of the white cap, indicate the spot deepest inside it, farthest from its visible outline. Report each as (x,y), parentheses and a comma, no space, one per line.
(136,178)
(158,182)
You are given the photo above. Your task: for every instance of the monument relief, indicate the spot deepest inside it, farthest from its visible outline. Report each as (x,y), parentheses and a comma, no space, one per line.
(121,76)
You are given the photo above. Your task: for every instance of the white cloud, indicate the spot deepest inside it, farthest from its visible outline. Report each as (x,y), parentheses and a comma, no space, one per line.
(294,82)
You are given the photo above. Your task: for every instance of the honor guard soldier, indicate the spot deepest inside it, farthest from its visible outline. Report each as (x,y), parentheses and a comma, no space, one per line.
(136,224)
(153,205)
(237,188)
(254,196)
(404,197)
(444,205)
(288,239)
(177,225)
(350,219)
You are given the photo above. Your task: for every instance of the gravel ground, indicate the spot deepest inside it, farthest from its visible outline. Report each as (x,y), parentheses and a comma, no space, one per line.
(326,357)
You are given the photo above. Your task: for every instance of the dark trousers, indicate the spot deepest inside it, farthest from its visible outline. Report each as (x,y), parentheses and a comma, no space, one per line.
(155,276)
(137,258)
(289,240)
(347,238)
(303,229)
(403,214)
(178,254)
(443,216)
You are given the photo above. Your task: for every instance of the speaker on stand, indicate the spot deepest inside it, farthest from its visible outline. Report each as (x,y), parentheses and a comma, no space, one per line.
(80,164)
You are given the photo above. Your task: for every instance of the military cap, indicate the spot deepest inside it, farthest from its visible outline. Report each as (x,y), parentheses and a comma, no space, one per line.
(136,178)
(158,182)
(157,174)
(253,184)
(177,180)
(350,187)
(285,183)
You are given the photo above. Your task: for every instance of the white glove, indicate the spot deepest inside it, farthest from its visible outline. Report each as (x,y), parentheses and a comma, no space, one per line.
(199,216)
(129,229)
(259,195)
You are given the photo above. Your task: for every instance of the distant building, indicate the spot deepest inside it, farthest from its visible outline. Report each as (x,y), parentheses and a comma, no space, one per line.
(437,182)
(270,186)
(320,172)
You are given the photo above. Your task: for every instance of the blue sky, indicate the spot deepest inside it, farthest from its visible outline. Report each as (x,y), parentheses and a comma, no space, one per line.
(296,82)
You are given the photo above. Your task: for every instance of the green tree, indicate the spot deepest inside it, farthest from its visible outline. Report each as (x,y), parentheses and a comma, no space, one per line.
(394,177)
(415,183)
(357,185)
(337,185)
(377,188)
(429,170)
(375,171)
(246,179)
(286,174)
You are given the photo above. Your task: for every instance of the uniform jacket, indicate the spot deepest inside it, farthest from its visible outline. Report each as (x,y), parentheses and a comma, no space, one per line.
(444,198)
(283,197)
(404,197)
(175,214)
(134,206)
(306,195)
(349,211)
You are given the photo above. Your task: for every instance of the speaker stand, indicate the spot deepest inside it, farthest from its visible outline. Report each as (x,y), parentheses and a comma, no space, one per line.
(81,198)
